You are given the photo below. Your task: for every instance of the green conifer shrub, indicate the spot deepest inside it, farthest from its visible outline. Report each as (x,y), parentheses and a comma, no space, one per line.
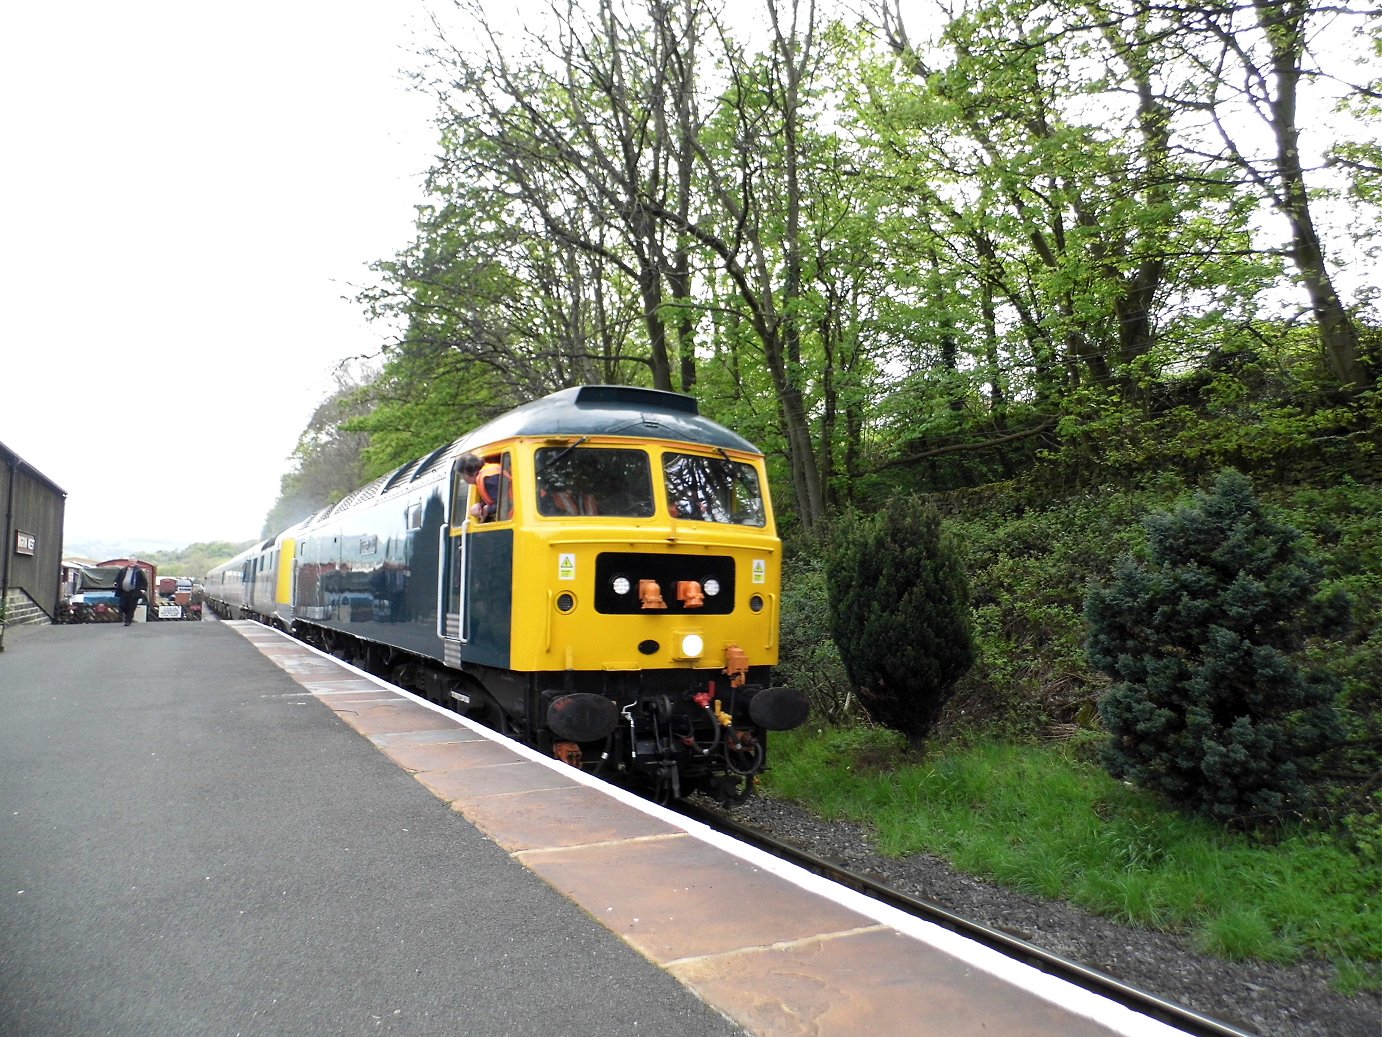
(808,659)
(1209,705)
(899,614)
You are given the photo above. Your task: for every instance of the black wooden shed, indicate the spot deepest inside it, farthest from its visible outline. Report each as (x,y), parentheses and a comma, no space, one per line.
(31,510)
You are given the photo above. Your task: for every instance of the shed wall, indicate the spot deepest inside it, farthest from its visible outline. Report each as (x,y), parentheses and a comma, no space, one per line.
(30,504)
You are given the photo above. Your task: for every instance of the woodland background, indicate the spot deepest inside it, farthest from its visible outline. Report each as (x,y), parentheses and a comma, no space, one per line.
(1096,239)
(1050,265)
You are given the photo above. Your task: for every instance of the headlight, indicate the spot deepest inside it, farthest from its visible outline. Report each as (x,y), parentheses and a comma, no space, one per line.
(692,646)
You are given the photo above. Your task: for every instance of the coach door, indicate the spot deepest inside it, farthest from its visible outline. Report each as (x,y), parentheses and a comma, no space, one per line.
(455,583)
(477,596)
(452,566)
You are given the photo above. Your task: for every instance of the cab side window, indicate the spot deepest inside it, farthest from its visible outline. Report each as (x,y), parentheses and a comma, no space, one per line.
(494,489)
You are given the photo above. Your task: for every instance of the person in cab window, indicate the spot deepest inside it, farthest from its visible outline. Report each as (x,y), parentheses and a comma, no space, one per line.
(488,478)
(563,486)
(568,502)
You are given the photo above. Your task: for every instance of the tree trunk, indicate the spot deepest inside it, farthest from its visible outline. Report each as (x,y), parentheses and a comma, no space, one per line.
(1338,334)
(1284,24)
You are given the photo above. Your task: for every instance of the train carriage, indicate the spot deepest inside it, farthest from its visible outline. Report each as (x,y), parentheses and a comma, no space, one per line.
(619,610)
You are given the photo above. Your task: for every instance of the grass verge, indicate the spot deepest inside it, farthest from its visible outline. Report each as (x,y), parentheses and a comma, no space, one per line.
(1043,821)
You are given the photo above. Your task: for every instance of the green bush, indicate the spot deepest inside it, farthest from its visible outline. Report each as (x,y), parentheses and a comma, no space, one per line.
(808,659)
(1029,562)
(1344,522)
(1210,705)
(899,614)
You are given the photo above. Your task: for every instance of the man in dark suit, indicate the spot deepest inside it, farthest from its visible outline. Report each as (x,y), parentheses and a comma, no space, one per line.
(131,585)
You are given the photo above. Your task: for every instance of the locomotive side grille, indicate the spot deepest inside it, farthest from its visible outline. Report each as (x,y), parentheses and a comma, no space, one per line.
(668,570)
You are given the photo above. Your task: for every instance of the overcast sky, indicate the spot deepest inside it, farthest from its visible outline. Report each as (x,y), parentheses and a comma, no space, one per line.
(189,192)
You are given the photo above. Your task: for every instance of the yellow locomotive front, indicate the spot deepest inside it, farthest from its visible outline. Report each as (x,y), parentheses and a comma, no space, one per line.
(643,606)
(649,557)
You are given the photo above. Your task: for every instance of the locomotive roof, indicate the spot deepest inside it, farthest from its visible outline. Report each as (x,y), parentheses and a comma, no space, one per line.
(584,410)
(612,410)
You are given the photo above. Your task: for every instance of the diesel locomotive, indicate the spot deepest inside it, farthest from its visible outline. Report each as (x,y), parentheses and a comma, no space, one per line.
(619,608)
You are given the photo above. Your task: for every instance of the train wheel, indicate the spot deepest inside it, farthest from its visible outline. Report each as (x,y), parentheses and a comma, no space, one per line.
(731,789)
(404,675)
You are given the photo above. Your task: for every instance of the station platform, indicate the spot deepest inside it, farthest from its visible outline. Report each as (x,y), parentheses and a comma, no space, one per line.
(213,828)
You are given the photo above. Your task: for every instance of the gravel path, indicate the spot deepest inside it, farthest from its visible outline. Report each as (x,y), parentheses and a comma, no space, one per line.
(1268,1000)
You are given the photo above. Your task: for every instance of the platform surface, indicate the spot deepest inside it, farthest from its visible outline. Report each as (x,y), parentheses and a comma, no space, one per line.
(212,828)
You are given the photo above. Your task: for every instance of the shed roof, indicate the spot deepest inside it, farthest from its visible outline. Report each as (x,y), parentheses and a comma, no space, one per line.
(10,458)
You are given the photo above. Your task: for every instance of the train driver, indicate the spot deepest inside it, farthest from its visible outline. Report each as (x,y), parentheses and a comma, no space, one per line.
(553,500)
(491,485)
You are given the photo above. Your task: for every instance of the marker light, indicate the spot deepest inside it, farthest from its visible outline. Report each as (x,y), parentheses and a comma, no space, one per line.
(620,585)
(711,586)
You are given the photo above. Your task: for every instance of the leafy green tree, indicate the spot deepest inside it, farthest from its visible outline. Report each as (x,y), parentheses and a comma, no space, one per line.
(328,461)
(899,614)
(489,303)
(194,560)
(893,262)
(1084,256)
(583,145)
(1208,705)
(1266,56)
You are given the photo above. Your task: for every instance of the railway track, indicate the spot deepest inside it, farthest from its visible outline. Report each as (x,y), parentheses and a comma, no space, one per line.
(1131,997)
